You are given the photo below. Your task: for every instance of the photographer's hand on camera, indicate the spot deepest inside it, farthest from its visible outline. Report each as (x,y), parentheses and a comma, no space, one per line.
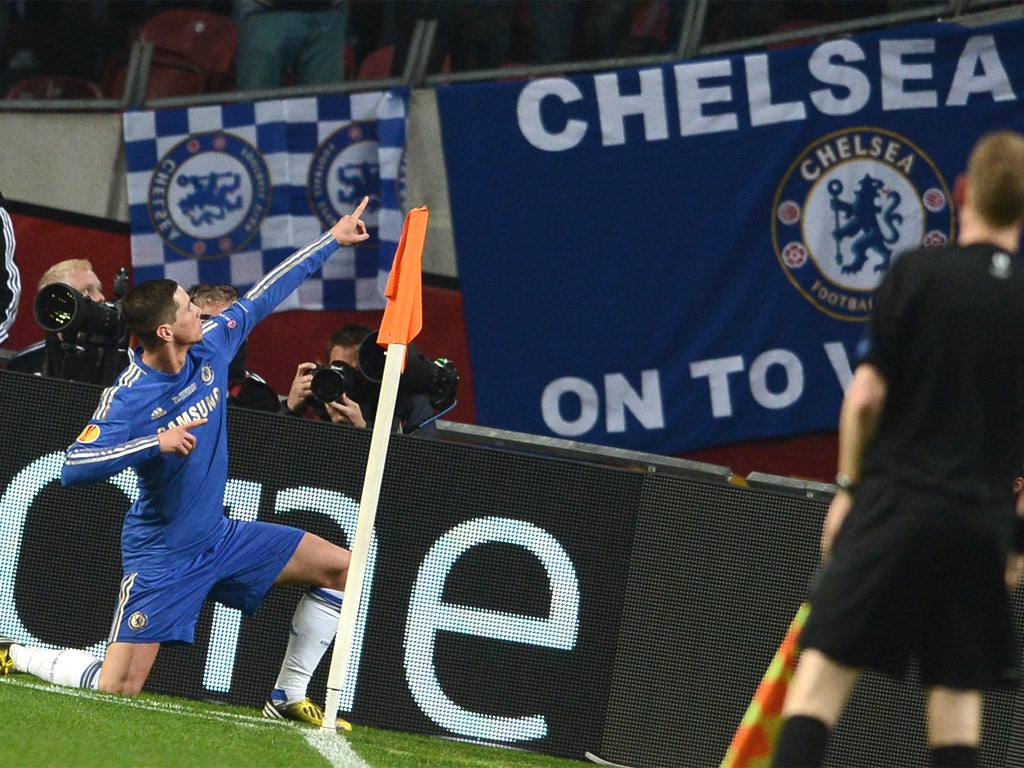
(345,411)
(300,392)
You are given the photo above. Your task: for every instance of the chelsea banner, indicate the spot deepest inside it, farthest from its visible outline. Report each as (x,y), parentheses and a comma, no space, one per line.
(223,193)
(679,256)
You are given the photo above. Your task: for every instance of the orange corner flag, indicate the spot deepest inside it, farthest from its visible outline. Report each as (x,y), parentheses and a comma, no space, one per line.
(754,741)
(403,315)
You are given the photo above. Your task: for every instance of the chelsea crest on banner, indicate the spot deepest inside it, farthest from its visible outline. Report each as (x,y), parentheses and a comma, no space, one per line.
(222,193)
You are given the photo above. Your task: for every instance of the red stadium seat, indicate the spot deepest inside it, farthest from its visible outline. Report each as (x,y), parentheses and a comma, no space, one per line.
(54,87)
(169,75)
(208,41)
(377,64)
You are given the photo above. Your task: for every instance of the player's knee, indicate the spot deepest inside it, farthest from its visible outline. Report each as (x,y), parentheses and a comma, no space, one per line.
(335,578)
(336,571)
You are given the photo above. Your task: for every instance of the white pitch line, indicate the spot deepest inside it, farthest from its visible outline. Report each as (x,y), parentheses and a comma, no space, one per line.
(335,749)
(247,721)
(600,761)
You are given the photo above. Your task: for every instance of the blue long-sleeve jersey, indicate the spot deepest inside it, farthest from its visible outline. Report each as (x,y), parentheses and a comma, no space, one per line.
(180,509)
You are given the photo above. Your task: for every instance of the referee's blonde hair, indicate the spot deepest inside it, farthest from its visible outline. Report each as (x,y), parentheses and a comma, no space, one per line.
(995,175)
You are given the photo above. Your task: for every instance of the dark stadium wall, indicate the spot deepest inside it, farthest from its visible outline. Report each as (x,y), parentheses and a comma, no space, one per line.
(285,339)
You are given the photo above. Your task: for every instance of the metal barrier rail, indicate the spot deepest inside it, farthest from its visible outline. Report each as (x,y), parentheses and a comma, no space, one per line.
(585,452)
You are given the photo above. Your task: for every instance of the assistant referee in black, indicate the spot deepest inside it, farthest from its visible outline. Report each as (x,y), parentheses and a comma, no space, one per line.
(931,435)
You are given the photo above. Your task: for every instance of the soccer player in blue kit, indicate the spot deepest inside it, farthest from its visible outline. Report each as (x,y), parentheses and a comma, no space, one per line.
(165,416)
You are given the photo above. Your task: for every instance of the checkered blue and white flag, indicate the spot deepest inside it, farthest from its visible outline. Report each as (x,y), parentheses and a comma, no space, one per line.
(223,193)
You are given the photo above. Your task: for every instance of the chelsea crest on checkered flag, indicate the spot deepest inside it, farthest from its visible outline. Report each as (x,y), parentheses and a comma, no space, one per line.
(222,193)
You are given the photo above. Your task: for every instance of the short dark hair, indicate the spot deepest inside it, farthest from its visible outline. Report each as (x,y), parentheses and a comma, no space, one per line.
(347,336)
(149,305)
(202,293)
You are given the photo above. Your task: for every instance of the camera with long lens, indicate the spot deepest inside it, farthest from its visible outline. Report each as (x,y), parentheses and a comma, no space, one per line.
(86,340)
(339,378)
(437,379)
(59,308)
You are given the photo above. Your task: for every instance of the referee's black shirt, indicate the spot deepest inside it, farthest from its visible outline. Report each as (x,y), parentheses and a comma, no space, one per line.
(947,333)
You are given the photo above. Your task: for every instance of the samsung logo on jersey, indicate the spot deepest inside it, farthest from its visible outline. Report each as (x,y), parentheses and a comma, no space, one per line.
(199,410)
(555,114)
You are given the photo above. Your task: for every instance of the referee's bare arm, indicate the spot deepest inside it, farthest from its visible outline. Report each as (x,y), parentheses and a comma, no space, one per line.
(858,419)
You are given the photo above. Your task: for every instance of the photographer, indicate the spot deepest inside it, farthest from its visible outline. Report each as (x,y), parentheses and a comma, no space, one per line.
(93,345)
(245,388)
(357,403)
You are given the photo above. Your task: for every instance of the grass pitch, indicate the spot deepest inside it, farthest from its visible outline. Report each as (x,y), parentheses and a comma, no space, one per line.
(56,727)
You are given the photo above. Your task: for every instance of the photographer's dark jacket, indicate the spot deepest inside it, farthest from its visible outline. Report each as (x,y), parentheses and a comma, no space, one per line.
(88,363)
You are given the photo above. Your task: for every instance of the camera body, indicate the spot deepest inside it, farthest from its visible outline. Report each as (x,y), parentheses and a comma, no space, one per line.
(86,340)
(436,380)
(332,381)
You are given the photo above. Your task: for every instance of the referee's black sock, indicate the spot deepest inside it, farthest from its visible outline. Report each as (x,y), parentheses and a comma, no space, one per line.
(802,743)
(954,756)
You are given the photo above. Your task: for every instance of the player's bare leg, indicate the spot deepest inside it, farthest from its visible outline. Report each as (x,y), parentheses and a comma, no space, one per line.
(126,667)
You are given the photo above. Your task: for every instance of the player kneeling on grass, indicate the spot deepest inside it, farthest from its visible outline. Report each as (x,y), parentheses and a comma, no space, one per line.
(165,416)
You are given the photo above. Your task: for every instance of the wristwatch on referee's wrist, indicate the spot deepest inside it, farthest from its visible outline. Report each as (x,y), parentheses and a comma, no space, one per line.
(845,482)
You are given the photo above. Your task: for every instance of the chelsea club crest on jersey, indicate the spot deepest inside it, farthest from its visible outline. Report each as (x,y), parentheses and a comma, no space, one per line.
(848,205)
(209,194)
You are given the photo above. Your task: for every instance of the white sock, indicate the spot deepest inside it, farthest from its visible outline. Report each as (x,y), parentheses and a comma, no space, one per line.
(64,666)
(314,625)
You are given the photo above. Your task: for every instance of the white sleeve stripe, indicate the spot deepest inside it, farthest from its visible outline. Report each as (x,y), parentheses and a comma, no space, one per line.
(13,276)
(130,375)
(78,455)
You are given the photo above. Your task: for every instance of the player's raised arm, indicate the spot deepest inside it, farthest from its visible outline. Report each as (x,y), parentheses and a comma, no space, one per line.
(277,284)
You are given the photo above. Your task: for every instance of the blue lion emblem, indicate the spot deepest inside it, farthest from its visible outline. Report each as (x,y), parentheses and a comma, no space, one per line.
(359,180)
(872,228)
(210,199)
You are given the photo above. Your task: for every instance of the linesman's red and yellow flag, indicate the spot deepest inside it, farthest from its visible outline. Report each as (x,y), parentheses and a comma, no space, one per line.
(754,741)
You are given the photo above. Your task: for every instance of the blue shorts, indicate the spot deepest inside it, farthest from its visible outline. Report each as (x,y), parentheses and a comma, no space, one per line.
(162,604)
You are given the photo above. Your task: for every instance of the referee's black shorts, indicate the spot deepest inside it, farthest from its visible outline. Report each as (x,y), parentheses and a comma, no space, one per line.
(916,574)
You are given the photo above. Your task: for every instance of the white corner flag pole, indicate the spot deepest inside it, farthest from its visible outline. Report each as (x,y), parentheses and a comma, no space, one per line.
(393,362)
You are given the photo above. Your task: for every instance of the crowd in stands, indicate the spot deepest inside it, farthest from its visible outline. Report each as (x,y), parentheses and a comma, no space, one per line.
(80,49)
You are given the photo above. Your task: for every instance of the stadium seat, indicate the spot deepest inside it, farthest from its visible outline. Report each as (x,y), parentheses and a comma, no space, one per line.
(377,64)
(208,41)
(54,87)
(169,75)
